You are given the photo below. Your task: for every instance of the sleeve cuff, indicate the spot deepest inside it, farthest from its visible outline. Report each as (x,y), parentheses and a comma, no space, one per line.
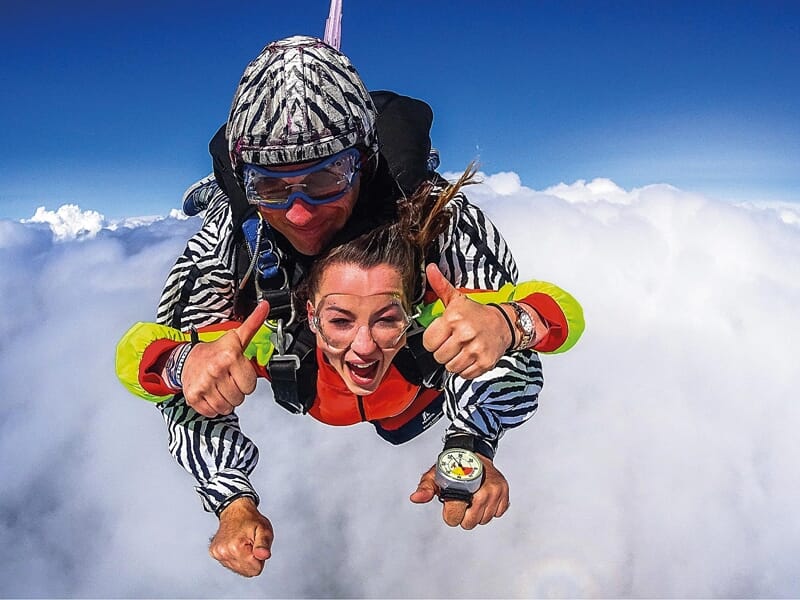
(551,312)
(223,488)
(150,368)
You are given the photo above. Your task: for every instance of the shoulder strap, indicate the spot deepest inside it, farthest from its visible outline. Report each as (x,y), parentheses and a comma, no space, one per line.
(226,179)
(416,364)
(263,272)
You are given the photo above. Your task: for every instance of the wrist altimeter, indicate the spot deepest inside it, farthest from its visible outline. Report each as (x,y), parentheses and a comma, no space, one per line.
(459,474)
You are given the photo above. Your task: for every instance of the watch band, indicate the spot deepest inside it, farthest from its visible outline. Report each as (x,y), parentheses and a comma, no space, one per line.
(173,370)
(454,494)
(473,443)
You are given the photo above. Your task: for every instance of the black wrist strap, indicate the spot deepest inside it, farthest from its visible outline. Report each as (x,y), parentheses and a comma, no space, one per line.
(511,327)
(451,494)
(473,443)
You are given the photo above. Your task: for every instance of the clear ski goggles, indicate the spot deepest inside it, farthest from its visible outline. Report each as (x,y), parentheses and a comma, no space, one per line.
(339,318)
(323,182)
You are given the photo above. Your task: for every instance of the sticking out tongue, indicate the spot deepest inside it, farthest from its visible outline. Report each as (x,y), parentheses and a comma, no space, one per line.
(363,373)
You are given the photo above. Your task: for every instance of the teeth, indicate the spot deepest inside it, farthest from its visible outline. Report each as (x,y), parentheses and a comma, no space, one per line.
(364,366)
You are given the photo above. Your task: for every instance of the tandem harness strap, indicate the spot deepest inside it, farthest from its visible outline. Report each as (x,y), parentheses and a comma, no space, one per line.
(293,385)
(416,364)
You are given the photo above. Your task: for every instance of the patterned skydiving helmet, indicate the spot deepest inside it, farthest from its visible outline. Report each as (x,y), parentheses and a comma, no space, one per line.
(299,100)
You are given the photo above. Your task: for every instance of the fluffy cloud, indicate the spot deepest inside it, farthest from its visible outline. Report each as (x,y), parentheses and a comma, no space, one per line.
(69,221)
(662,461)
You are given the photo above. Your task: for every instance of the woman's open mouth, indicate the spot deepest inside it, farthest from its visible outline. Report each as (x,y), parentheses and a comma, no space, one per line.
(363,373)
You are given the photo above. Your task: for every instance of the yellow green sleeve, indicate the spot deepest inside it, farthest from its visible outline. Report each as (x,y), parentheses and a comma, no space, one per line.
(559,307)
(133,345)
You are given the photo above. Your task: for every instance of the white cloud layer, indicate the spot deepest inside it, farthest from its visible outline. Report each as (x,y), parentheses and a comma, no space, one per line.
(69,222)
(662,462)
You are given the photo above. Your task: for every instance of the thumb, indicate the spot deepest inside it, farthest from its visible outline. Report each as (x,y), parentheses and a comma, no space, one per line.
(424,493)
(262,543)
(439,284)
(261,551)
(426,489)
(252,324)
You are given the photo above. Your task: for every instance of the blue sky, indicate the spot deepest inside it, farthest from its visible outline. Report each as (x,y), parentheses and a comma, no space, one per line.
(111,106)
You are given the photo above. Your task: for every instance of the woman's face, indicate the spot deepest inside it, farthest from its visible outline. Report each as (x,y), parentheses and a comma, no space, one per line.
(360,322)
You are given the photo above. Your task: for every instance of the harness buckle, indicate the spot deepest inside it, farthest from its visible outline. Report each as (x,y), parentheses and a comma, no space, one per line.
(283,375)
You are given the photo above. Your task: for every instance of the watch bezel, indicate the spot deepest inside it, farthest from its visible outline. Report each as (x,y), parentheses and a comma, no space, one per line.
(445,481)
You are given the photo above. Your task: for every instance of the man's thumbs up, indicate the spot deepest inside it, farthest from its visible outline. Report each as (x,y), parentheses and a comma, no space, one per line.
(469,338)
(247,330)
(439,284)
(217,376)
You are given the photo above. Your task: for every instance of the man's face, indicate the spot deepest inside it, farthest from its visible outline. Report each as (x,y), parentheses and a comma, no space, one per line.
(311,227)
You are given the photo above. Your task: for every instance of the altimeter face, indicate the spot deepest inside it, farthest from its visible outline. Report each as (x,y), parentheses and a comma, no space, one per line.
(460,465)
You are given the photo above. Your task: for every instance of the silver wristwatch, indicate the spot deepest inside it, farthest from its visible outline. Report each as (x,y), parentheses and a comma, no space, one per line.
(525,325)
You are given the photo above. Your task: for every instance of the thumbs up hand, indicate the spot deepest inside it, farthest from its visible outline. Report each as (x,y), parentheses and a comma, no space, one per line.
(217,376)
(469,338)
